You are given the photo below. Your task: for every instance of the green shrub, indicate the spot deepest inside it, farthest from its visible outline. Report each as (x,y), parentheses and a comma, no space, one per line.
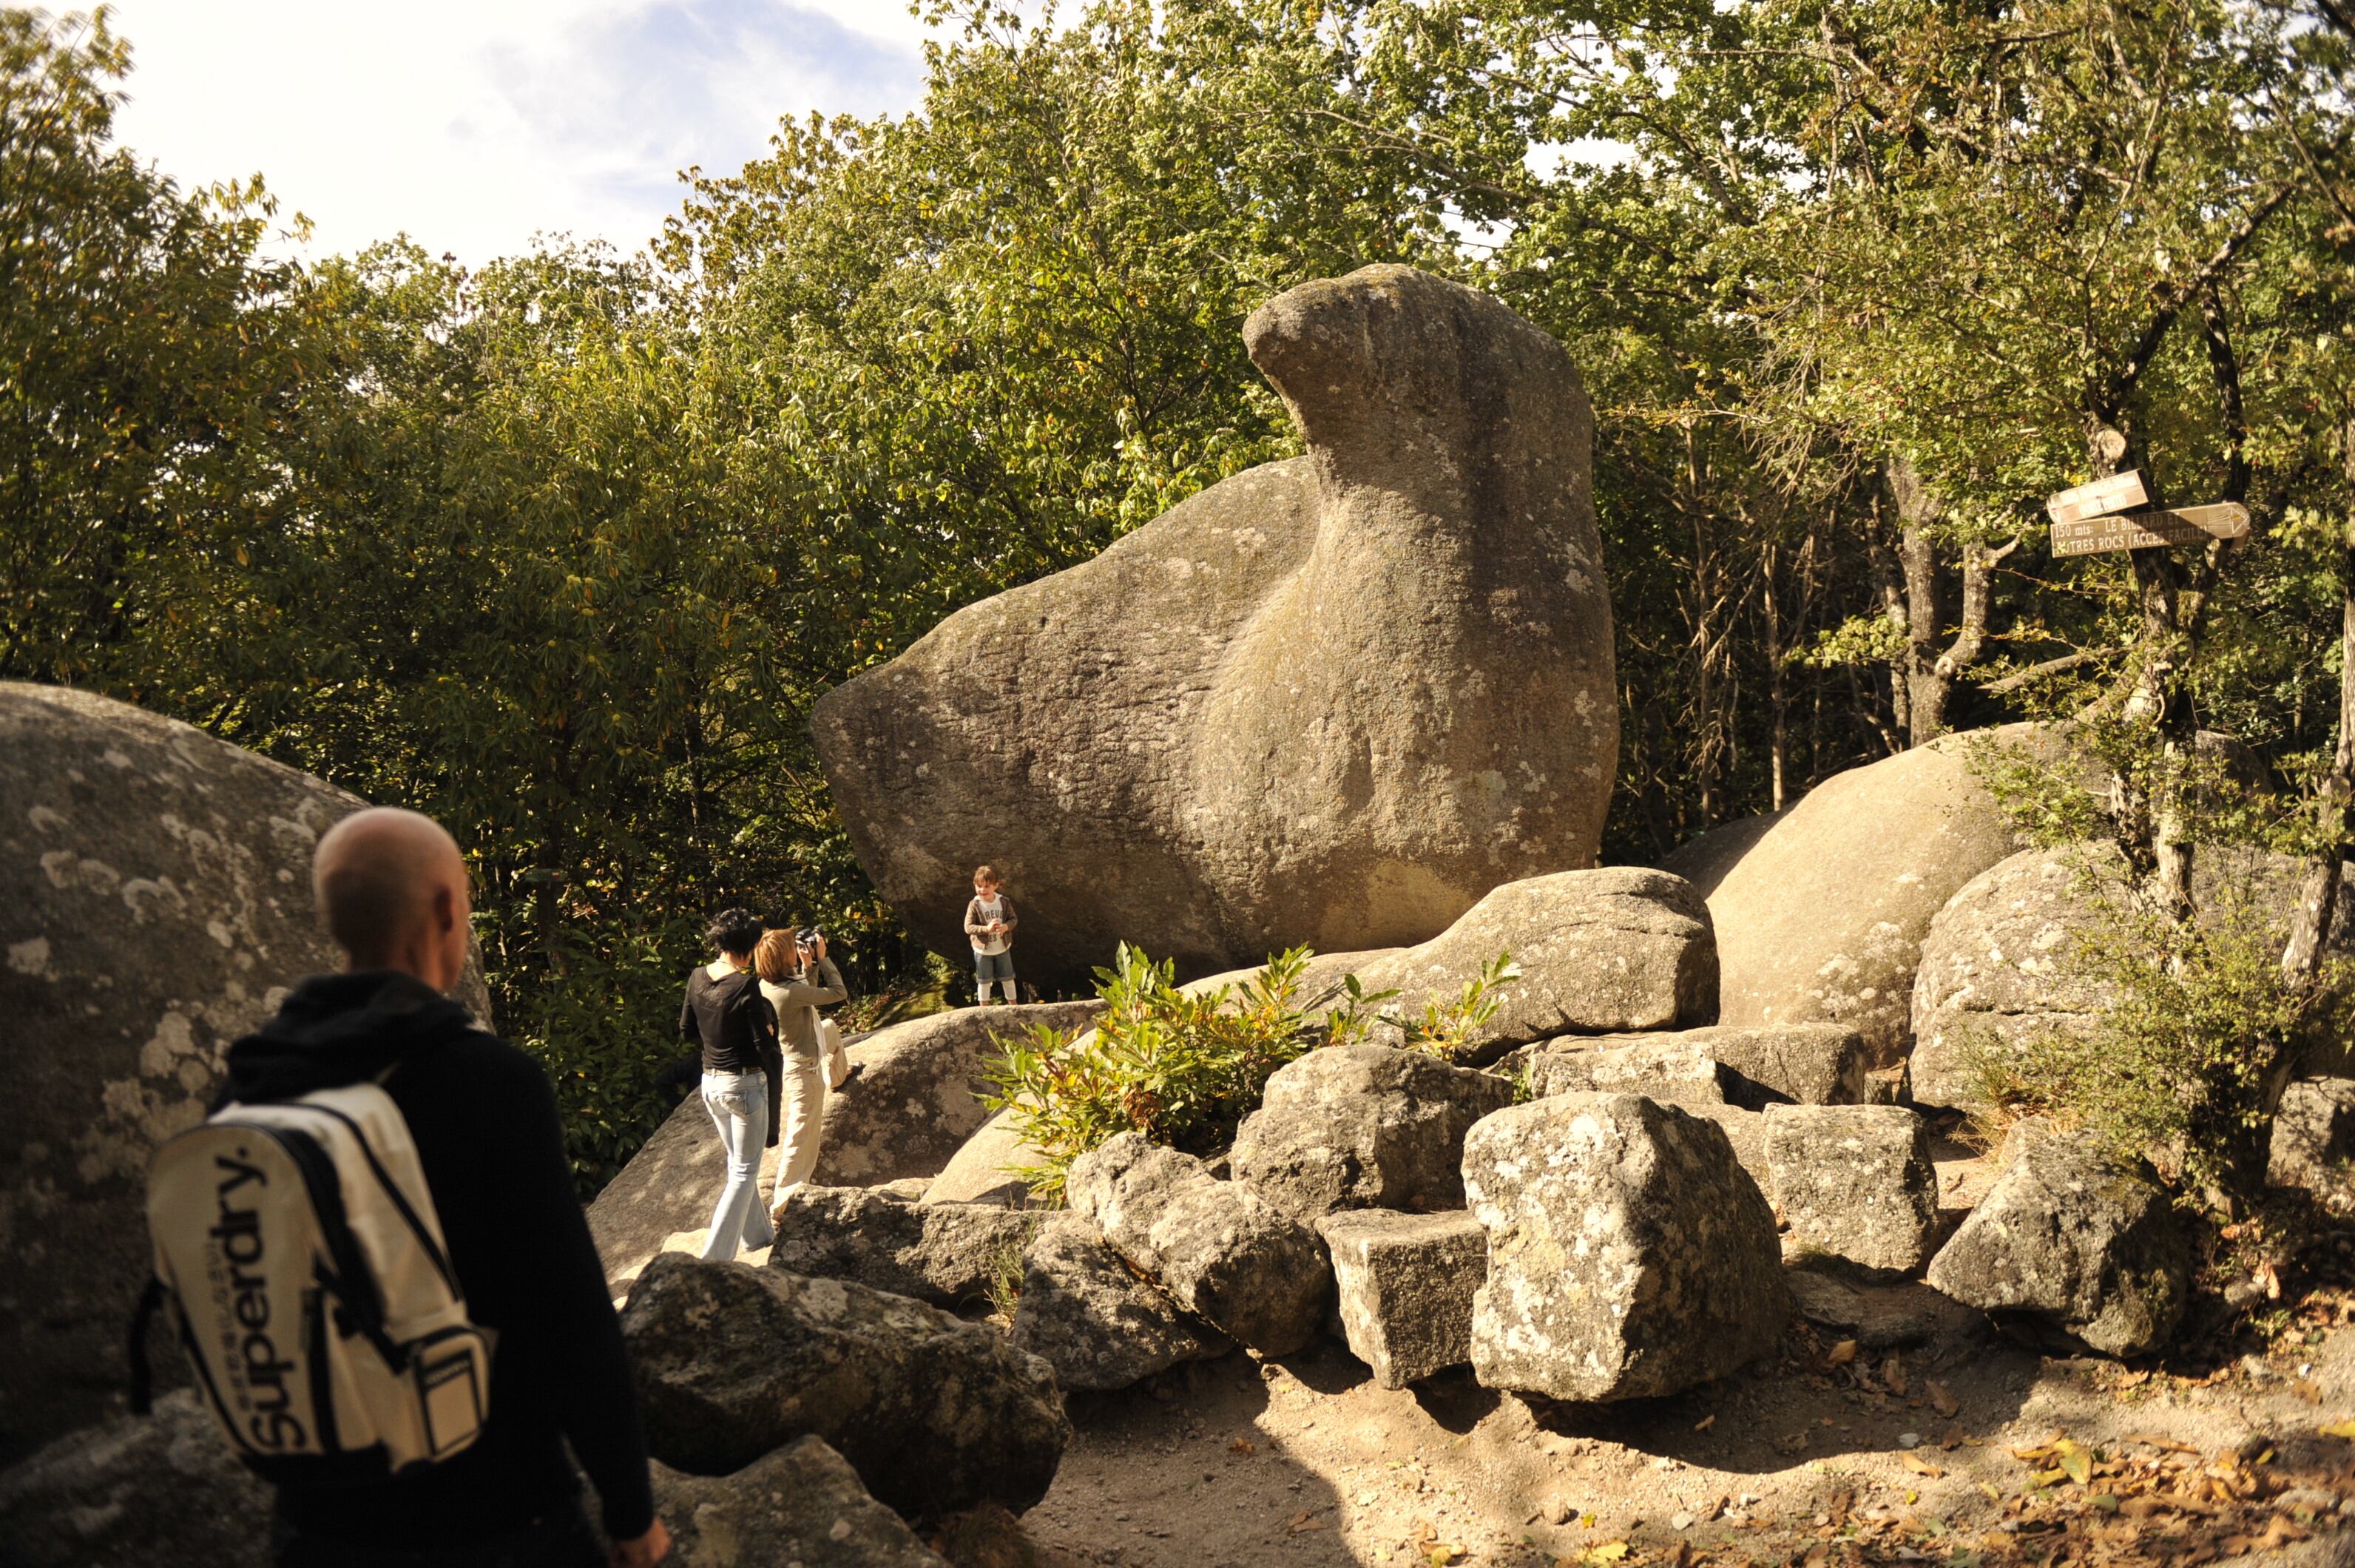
(1184,1070)
(2184,1063)
(2201,1029)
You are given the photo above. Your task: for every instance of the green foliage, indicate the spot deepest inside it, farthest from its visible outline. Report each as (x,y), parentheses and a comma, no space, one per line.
(2199,1028)
(564,550)
(1182,1070)
(1185,1069)
(1450,1028)
(2198,1035)
(146,358)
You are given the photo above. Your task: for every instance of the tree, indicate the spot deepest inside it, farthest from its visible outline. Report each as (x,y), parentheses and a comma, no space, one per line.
(144,364)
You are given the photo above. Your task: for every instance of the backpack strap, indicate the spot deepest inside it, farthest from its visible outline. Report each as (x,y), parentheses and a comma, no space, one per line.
(142,1375)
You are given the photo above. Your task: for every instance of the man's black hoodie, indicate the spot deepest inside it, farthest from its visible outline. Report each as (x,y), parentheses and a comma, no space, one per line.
(487,1135)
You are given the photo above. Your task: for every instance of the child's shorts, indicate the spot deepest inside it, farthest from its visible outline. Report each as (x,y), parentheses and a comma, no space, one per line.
(988,967)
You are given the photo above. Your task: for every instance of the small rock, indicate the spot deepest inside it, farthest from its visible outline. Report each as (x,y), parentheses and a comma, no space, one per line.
(1629,1253)
(1909,1440)
(1363,1126)
(1406,1283)
(1222,1253)
(800,1504)
(1825,1303)
(2314,1135)
(1558,1512)
(944,1254)
(1680,1521)
(2067,1237)
(733,1361)
(1855,1182)
(1099,1325)
(1669,1072)
(165,1489)
(1805,1064)
(986,1537)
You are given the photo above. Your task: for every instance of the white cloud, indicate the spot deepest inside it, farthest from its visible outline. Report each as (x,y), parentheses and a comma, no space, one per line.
(472,125)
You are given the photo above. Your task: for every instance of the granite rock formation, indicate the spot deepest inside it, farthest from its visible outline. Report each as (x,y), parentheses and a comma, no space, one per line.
(1334,700)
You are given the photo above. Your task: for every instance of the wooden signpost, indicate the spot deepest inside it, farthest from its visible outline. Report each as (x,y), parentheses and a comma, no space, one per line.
(2141,530)
(2115,493)
(2095,516)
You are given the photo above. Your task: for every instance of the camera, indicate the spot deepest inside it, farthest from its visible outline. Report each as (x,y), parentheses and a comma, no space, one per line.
(809,936)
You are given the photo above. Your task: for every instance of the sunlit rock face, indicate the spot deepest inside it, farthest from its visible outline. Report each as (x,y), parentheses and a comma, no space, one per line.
(1333,700)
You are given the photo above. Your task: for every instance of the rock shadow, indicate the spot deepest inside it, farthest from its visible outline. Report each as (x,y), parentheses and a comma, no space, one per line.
(1178,1471)
(1822,1396)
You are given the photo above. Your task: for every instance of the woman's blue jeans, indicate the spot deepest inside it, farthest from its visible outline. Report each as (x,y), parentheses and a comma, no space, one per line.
(738,1104)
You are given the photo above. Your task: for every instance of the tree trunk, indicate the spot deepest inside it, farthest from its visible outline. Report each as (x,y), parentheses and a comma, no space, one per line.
(1925,672)
(2309,929)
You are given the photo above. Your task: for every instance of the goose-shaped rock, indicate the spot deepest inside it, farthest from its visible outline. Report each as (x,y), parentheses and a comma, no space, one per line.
(1330,700)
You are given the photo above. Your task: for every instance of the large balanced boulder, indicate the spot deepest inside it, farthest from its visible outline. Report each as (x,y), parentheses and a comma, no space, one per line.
(1086,1314)
(165,1489)
(155,905)
(800,1506)
(916,1101)
(1363,1126)
(936,1414)
(1628,1254)
(2074,1239)
(1855,1182)
(1406,1285)
(1333,701)
(1600,952)
(1221,1251)
(948,1255)
(1821,919)
(2001,965)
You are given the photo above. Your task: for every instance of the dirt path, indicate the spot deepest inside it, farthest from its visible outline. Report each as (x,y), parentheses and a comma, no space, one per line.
(1306,1464)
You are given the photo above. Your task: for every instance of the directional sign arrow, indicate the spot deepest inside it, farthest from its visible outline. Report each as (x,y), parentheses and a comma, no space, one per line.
(2141,530)
(2115,493)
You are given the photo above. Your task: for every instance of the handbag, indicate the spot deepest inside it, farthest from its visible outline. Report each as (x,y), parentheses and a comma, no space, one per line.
(837,1059)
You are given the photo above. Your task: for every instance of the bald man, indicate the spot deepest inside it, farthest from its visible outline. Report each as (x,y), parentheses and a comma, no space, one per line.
(392,891)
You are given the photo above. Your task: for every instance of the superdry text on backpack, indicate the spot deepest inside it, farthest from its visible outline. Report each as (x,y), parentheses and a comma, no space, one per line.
(299,1248)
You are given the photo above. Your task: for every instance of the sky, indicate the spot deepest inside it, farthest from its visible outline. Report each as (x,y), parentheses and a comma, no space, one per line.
(473,125)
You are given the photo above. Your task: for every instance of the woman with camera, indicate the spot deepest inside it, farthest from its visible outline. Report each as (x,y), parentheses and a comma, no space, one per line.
(796,980)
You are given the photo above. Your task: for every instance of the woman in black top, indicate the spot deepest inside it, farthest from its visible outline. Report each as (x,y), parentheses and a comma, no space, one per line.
(726,1016)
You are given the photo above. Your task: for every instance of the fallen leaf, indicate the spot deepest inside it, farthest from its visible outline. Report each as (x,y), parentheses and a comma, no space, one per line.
(1940,1399)
(2307,1390)
(1302,1522)
(1609,1552)
(1919,1465)
(2076,1459)
(1841,1354)
(1243,1447)
(2339,1429)
(1705,1423)
(1892,1374)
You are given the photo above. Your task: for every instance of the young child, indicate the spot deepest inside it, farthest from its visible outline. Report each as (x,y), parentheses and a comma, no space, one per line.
(989,921)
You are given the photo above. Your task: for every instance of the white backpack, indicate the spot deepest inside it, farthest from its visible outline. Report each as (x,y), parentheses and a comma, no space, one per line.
(300,1250)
